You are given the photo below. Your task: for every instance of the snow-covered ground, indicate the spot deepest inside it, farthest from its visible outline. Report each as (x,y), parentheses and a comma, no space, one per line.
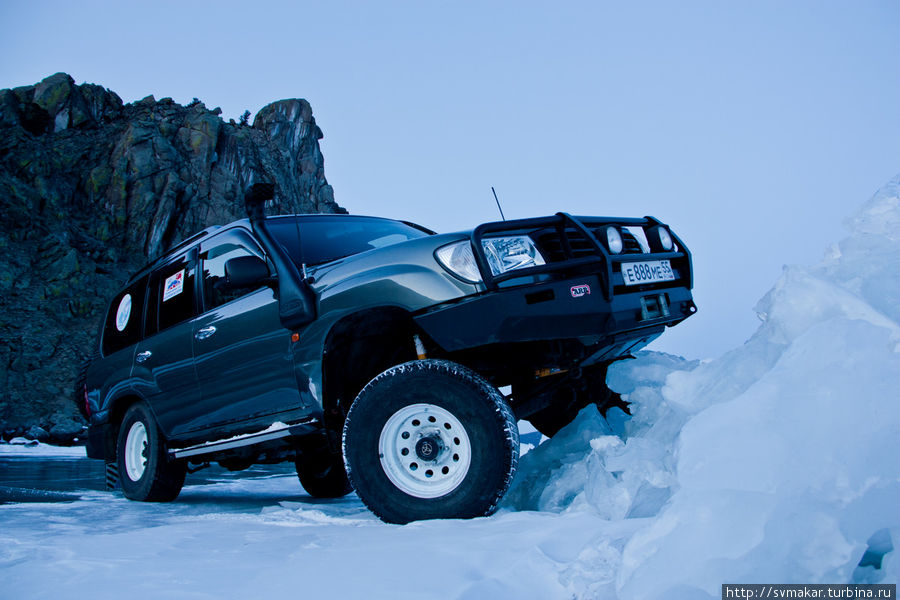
(778,462)
(21,447)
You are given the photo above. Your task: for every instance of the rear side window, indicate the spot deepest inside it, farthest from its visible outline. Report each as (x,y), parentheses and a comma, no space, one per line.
(172,295)
(123,321)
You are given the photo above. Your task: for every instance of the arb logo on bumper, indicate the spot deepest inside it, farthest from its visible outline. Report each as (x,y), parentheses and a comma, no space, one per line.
(580,290)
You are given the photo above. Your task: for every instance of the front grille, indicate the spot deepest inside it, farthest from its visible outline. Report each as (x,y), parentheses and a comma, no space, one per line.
(551,245)
(552,248)
(630,243)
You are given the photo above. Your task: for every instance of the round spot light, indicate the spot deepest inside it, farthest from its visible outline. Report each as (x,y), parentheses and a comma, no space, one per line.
(614,240)
(665,239)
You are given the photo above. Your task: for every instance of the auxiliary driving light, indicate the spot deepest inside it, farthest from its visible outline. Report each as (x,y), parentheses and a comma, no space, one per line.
(614,240)
(665,240)
(660,239)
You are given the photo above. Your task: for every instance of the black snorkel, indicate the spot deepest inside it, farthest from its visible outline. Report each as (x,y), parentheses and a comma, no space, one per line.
(296,301)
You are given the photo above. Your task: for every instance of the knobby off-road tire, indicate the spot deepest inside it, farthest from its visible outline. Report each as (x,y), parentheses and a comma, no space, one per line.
(430,439)
(145,471)
(323,476)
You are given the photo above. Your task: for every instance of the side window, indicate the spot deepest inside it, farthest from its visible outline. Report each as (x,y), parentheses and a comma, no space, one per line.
(123,322)
(214,256)
(172,296)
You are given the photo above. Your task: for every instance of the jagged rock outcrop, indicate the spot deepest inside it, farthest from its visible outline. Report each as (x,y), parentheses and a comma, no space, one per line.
(90,188)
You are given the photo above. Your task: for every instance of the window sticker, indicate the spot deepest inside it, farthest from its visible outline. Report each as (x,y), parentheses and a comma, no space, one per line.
(174,285)
(123,313)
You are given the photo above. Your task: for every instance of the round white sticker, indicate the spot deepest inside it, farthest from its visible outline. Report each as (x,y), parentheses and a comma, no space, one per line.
(123,313)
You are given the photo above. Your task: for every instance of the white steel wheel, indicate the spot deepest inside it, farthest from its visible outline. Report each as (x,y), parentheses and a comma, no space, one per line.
(136,451)
(425,450)
(430,439)
(146,470)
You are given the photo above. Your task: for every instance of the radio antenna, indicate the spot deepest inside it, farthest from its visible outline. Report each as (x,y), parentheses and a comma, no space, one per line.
(500,208)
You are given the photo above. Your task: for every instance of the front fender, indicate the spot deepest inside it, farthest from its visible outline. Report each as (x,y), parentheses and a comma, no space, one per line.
(364,283)
(407,286)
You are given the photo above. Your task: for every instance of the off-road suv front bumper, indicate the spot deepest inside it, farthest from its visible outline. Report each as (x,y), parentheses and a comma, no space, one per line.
(580,293)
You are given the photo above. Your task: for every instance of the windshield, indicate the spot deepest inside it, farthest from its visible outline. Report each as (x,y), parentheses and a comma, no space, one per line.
(330,237)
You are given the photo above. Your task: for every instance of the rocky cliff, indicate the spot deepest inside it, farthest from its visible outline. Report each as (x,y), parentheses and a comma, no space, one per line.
(90,189)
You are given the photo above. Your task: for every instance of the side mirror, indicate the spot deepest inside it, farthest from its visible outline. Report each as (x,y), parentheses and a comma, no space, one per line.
(245,271)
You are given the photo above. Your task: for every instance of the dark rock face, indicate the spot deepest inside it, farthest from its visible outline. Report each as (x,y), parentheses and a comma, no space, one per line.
(90,189)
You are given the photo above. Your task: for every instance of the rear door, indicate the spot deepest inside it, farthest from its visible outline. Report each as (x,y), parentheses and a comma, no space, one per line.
(163,361)
(122,332)
(243,355)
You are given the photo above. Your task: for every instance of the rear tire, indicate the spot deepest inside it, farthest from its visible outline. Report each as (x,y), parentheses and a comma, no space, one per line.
(145,471)
(430,439)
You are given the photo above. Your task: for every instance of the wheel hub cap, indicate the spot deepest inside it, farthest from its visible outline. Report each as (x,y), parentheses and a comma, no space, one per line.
(425,450)
(428,448)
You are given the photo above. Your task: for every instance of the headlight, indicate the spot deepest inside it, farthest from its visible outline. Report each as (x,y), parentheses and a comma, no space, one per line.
(504,254)
(614,240)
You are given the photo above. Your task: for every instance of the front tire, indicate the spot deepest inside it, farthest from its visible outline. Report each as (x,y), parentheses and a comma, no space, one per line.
(430,439)
(145,471)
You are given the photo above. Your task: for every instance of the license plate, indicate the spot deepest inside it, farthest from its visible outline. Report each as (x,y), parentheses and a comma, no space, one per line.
(651,271)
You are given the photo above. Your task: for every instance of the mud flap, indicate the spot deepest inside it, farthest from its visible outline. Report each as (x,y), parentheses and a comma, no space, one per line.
(112,477)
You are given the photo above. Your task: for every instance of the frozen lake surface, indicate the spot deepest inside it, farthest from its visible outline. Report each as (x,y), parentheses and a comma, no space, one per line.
(256,533)
(71,471)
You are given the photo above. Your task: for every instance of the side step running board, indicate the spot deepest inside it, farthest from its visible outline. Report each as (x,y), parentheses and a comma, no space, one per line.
(272,433)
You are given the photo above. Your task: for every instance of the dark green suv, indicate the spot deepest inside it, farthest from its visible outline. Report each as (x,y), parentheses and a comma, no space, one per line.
(370,352)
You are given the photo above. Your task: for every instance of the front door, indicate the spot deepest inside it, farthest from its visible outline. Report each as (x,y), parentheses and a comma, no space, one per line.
(242,353)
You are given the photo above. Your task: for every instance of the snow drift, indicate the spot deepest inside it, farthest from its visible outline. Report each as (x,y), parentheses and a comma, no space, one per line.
(778,462)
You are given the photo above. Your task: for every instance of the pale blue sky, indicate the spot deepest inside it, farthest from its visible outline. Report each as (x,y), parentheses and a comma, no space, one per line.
(753,128)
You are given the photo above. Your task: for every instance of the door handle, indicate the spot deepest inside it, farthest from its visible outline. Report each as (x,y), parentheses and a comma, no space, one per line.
(204,333)
(142,356)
